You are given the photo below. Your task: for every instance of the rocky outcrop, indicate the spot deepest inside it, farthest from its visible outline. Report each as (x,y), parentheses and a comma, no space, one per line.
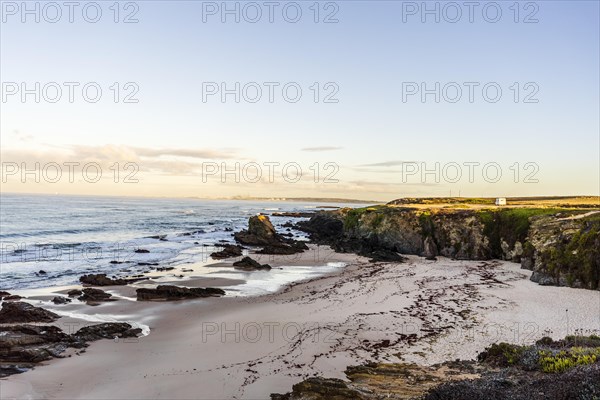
(170,292)
(565,369)
(248,264)
(261,232)
(108,330)
(61,300)
(284,249)
(20,312)
(93,296)
(13,297)
(558,245)
(101,280)
(564,250)
(228,251)
(24,346)
(430,250)
(320,389)
(294,214)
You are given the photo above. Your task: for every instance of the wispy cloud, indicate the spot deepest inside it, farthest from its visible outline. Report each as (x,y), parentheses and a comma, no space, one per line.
(393,163)
(163,161)
(322,148)
(21,136)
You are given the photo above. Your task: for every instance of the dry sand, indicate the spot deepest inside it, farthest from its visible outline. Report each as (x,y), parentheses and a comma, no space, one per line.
(240,347)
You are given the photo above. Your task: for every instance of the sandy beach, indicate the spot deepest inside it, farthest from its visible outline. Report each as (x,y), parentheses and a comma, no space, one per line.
(248,347)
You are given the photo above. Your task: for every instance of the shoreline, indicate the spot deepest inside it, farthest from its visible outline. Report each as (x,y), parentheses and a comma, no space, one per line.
(249,347)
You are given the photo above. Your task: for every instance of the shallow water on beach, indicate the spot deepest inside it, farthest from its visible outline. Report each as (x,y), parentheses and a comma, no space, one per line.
(264,282)
(48,241)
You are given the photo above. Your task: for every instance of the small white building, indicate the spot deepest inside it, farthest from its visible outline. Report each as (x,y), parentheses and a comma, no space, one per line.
(501,201)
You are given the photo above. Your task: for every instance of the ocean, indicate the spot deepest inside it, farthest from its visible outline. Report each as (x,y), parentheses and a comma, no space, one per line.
(51,240)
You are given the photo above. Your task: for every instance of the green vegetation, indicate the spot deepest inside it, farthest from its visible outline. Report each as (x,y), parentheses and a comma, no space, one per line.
(546,355)
(354,215)
(426,224)
(578,257)
(444,200)
(510,225)
(571,257)
(504,354)
(560,361)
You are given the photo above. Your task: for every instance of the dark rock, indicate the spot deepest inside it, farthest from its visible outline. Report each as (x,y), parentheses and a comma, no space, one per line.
(101,280)
(42,272)
(248,264)
(13,297)
(279,250)
(227,252)
(543,279)
(27,344)
(146,263)
(74,293)
(320,389)
(323,227)
(61,300)
(142,251)
(170,292)
(503,371)
(19,312)
(301,214)
(109,330)
(383,255)
(116,262)
(260,232)
(24,346)
(430,250)
(577,383)
(165,268)
(91,295)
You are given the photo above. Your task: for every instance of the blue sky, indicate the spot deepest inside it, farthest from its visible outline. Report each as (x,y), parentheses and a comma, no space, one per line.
(368,54)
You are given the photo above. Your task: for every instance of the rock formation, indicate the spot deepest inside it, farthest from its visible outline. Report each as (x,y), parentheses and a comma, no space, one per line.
(559,245)
(229,250)
(261,232)
(21,312)
(248,264)
(101,280)
(170,292)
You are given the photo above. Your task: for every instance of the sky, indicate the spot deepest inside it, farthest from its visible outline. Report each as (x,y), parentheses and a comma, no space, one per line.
(382,99)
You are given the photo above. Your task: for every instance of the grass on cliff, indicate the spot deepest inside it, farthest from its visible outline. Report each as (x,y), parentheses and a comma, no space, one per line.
(546,355)
(578,257)
(510,225)
(354,215)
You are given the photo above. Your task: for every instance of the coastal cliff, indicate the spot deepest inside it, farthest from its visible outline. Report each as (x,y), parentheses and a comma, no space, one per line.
(560,245)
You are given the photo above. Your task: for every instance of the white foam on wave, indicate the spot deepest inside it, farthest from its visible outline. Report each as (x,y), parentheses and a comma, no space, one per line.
(264,282)
(102,318)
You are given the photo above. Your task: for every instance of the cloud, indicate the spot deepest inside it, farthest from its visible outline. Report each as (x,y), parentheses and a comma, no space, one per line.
(22,137)
(163,161)
(322,148)
(393,163)
(204,154)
